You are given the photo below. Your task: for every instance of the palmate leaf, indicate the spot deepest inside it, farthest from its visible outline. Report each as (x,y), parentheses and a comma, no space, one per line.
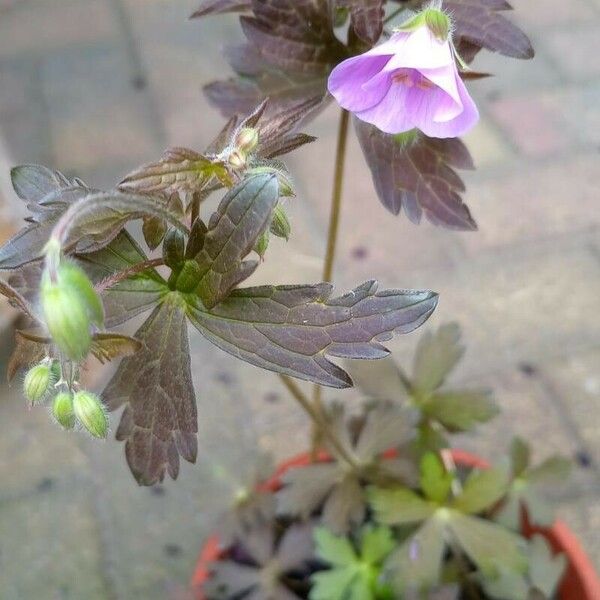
(218,7)
(129,297)
(242,216)
(291,329)
(159,422)
(180,170)
(331,486)
(47,194)
(416,565)
(436,356)
(366,18)
(25,354)
(482,490)
(271,560)
(353,575)
(290,51)
(418,176)
(479,23)
(461,410)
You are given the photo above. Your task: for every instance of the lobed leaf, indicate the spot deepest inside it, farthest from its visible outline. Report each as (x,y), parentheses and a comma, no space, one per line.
(159,422)
(478,22)
(107,346)
(16,300)
(545,569)
(461,410)
(291,329)
(26,353)
(243,215)
(180,170)
(398,506)
(416,565)
(219,7)
(129,297)
(435,357)
(482,490)
(435,480)
(333,549)
(366,18)
(418,176)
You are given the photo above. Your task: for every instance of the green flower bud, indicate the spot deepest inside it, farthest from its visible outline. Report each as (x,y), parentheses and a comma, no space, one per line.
(90,412)
(38,381)
(286,189)
(174,249)
(189,277)
(62,409)
(438,23)
(237,159)
(280,225)
(70,304)
(247,139)
(262,243)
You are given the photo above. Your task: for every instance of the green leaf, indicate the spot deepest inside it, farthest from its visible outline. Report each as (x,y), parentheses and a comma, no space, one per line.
(555,469)
(340,584)
(243,215)
(491,547)
(507,585)
(436,355)
(545,569)
(435,480)
(520,456)
(398,506)
(461,410)
(180,170)
(48,195)
(290,329)
(416,564)
(335,550)
(376,543)
(159,422)
(129,297)
(482,490)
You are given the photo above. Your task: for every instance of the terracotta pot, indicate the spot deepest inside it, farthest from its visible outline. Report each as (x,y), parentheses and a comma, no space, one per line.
(580,582)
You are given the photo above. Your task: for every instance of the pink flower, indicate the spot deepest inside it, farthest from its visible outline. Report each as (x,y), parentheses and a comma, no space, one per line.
(410,81)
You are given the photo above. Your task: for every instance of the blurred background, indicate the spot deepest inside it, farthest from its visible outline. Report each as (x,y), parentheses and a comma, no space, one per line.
(96,87)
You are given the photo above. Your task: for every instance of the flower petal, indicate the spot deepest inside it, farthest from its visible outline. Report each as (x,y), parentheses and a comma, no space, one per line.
(347,80)
(421,50)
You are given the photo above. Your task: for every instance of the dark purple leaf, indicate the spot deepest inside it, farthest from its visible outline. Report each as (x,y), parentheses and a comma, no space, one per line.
(478,22)
(258,80)
(218,7)
(16,300)
(48,194)
(26,353)
(418,176)
(131,296)
(180,170)
(159,422)
(107,346)
(243,215)
(366,18)
(291,329)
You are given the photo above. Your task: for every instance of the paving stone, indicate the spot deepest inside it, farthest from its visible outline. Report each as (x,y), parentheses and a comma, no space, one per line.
(544,13)
(524,202)
(96,116)
(534,128)
(576,381)
(487,145)
(570,49)
(49,546)
(39,25)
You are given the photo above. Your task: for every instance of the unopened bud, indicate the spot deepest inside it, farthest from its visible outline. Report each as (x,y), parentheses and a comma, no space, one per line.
(38,381)
(286,189)
(90,412)
(174,249)
(237,159)
(62,409)
(438,23)
(247,140)
(70,304)
(189,277)
(280,225)
(262,243)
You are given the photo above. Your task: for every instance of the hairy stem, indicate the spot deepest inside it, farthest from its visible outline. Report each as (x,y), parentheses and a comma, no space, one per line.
(115,278)
(319,421)
(332,235)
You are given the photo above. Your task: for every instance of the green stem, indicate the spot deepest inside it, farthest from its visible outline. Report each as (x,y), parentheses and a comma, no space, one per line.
(319,421)
(332,234)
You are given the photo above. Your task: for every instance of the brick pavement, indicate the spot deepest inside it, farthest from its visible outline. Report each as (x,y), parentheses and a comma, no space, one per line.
(94,87)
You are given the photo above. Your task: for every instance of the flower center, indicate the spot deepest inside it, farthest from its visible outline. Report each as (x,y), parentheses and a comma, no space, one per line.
(411,78)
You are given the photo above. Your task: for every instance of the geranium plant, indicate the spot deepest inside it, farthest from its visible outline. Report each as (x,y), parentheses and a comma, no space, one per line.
(381,510)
